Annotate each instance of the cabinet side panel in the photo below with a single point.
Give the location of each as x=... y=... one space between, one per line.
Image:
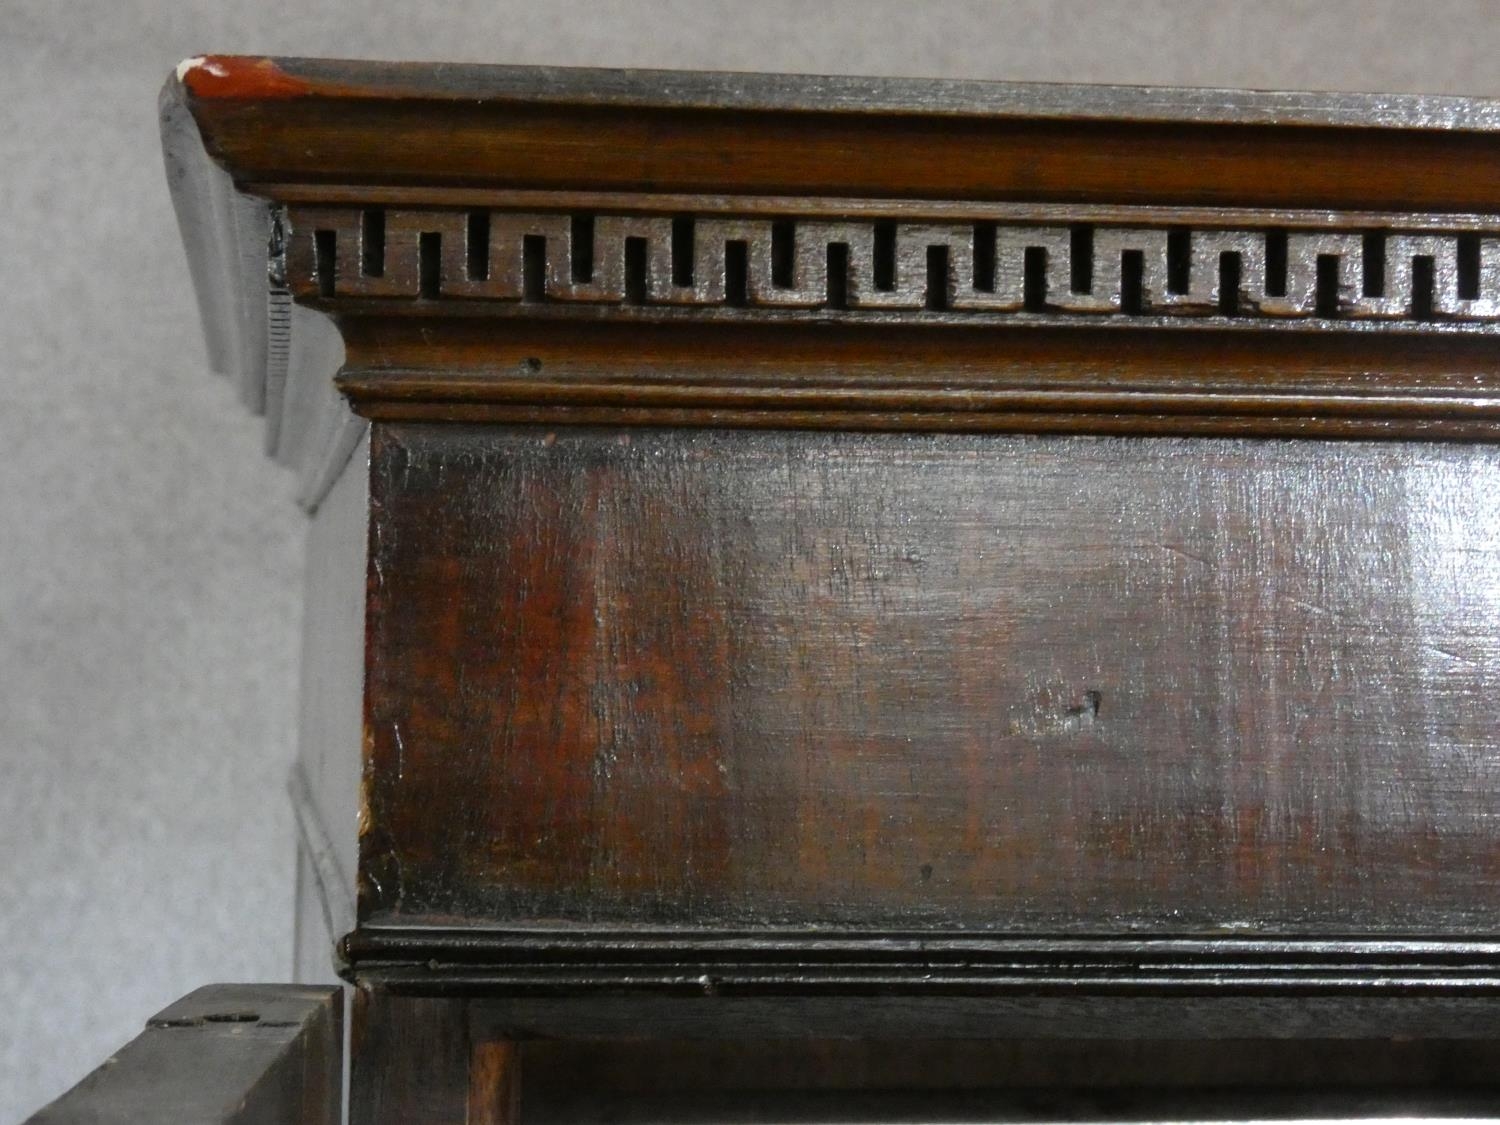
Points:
x=1088 y=685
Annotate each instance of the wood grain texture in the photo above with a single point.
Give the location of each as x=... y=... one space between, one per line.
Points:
x=1077 y=1013
x=232 y=77
x=895 y=377
x=408 y=1059
x=750 y=680
x=1048 y=1080
x=556 y=1070
x=495 y=1083
x=889 y=1107
x=416 y=1059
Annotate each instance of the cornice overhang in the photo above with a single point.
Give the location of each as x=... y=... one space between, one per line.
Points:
x=549 y=246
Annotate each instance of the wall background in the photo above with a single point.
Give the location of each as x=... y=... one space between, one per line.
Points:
x=150 y=558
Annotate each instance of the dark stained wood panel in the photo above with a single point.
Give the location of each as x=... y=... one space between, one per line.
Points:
x=776 y=679
x=965 y=1081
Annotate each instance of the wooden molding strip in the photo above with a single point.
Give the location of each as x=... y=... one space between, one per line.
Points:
x=684 y=965
x=964 y=985
x=329 y=122
x=749 y=265
x=391 y=942
x=1370 y=380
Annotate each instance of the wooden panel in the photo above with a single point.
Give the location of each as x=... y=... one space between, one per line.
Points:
x=756 y=679
x=226 y=1054
x=959 y=1081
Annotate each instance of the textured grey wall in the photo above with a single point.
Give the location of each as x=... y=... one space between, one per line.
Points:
x=150 y=559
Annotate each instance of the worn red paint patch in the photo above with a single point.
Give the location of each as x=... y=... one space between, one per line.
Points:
x=238 y=76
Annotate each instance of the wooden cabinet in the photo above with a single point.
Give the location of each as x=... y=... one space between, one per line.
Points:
x=834 y=571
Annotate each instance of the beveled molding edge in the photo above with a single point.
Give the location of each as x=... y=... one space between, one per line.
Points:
x=1331 y=272
x=594 y=982
x=909 y=316
x=539 y=962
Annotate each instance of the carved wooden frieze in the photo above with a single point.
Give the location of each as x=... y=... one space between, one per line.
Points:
x=529 y=245
x=997 y=269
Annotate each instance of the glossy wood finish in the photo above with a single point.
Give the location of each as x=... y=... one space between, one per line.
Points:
x=822 y=1081
x=227 y=1054
x=744 y=680
x=889 y=377
x=275 y=122
x=969 y=1081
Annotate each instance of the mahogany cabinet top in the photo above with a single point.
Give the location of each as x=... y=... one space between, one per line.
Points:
x=833 y=253
x=276 y=123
